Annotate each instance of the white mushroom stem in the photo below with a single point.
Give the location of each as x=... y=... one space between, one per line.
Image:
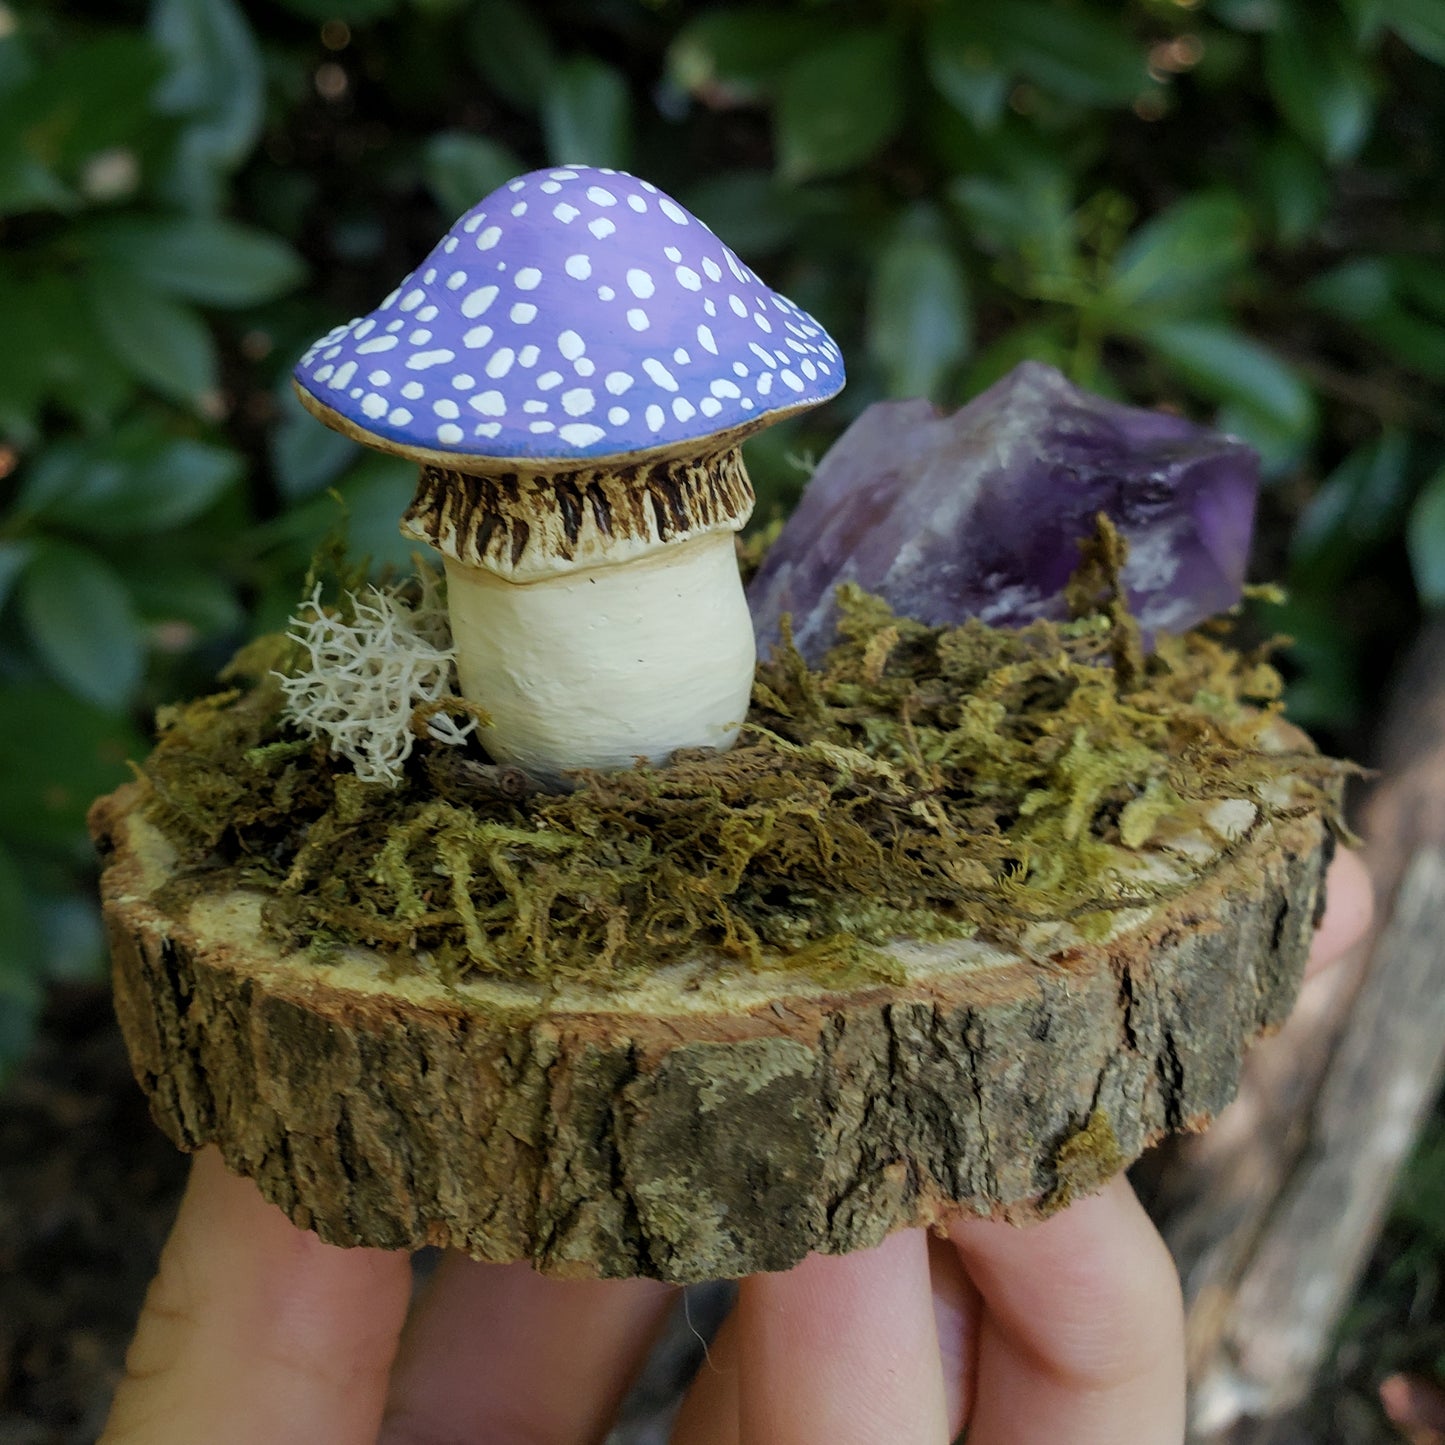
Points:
x=598 y=667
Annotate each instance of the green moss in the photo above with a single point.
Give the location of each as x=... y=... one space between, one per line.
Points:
x=1085 y=1161
x=923 y=783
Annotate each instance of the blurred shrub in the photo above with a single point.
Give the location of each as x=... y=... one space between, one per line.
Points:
x=1231 y=206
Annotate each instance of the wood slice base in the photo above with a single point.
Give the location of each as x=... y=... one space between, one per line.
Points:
x=713 y=1121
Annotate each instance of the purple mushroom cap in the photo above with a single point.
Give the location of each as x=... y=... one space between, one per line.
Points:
x=574 y=313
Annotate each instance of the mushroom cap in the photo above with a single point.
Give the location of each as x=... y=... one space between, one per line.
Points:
x=575 y=314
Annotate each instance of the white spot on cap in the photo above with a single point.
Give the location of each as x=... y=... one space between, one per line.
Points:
x=579 y=267
x=475 y=302
x=637 y=203
x=456 y=280
x=380 y=378
x=618 y=415
x=680 y=356
x=486 y=428
x=419 y=337
x=583 y=366
x=450 y=433
x=565 y=213
x=527 y=279
x=709 y=306
x=518 y=185
x=500 y=362
x=413 y=391
x=605 y=293
x=343 y=375
x=542 y=426
x=520 y=209
x=523 y=312
x=550 y=187
x=581 y=434
x=528 y=355
x=373 y=405
x=637 y=319
x=477 y=336
x=672 y=253
x=601 y=227
x=489 y=403
x=714 y=271
x=672 y=210
x=762 y=321
x=601 y=196
x=683 y=409
x=424 y=359
x=688 y=279
x=489 y=238
x=809 y=370
x=762 y=353
x=739 y=306
x=578 y=402
x=399 y=416
x=765 y=382
x=659 y=373
x=571 y=345
x=363 y=329
x=377 y=343
x=563 y=175
x=449 y=245
x=412 y=299
x=447 y=409
x=535 y=408
x=705 y=339
x=656 y=417
x=617 y=382
x=746 y=403
x=723 y=387
x=709 y=406
x=395 y=325
x=739 y=369
x=548 y=380
x=640 y=283
x=427 y=313
x=473 y=221
x=322 y=372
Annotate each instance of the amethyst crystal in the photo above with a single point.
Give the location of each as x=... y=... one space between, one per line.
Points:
x=980 y=514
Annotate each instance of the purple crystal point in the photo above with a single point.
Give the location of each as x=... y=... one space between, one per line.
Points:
x=980 y=514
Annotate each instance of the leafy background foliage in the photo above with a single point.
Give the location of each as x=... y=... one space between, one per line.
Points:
x=1229 y=206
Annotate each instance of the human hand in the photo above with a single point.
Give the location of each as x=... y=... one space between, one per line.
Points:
x=257 y=1333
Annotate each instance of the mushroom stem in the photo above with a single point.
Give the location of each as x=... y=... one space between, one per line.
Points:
x=597 y=667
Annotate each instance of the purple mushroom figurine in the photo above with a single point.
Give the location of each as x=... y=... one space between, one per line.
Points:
x=574 y=368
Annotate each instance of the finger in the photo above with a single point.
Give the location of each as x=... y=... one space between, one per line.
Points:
x=1349 y=906
x=1082 y=1337
x=499 y=1352
x=843 y=1350
x=956 y=1312
x=709 y=1413
x=256 y=1330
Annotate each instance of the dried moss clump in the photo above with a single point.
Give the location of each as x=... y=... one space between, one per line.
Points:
x=925 y=782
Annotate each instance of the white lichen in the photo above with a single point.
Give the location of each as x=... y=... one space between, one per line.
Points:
x=365 y=668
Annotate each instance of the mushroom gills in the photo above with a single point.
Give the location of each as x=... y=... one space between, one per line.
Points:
x=600 y=667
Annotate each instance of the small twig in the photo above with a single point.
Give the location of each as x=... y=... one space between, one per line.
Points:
x=460 y=779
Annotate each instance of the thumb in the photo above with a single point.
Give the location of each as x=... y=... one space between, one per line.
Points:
x=256 y=1330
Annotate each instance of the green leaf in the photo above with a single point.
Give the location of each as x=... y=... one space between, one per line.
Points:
x=1357 y=507
x=1180 y=260
x=305 y=455
x=1419 y=23
x=1293 y=189
x=14 y=558
x=187 y=593
x=461 y=169
x=919 y=318
x=587 y=115
x=160 y=341
x=1030 y=214
x=198 y=258
x=138 y=482
x=1075 y=54
x=1228 y=367
x=216 y=86
x=748 y=207
x=22 y=965
x=1357 y=290
x=1320 y=84
x=512 y=50
x=82 y=625
x=734 y=56
x=26 y=184
x=1414 y=342
x=60 y=754
x=960 y=50
x=839 y=105
x=1425 y=537
x=353 y=12
x=1249 y=15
